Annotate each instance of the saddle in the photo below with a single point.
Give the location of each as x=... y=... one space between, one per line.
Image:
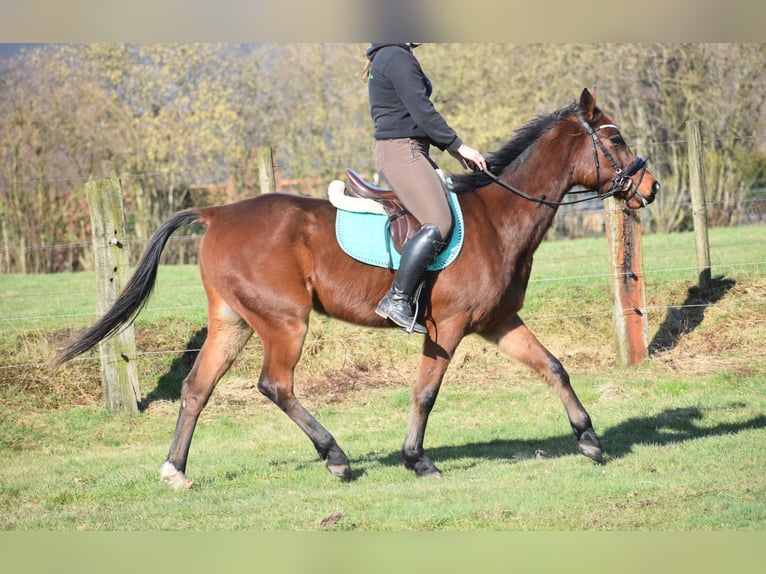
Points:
x=402 y=224
x=372 y=225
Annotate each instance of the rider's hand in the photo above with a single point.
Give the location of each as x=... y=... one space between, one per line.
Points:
x=470 y=158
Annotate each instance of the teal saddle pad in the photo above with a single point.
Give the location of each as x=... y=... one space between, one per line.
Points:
x=366 y=238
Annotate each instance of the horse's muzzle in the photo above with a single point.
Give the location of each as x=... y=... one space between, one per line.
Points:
x=642 y=193
x=641 y=197
x=654 y=191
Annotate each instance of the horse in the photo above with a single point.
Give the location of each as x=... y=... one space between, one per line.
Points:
x=268 y=261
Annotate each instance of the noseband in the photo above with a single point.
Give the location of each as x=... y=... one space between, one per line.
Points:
x=623 y=179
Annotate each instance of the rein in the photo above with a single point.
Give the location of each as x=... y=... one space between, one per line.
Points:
x=542 y=200
x=622 y=182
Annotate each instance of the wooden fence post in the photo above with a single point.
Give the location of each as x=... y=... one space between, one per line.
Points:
x=699 y=213
x=623 y=231
x=118 y=353
x=266 y=170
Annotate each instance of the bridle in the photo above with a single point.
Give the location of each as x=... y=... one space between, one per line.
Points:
x=623 y=179
x=621 y=183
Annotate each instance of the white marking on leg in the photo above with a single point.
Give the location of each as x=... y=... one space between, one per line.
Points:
x=174 y=477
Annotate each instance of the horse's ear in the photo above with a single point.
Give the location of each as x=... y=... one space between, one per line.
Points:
x=587 y=104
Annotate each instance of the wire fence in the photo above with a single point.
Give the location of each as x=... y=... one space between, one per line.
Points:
x=572 y=222
x=732 y=254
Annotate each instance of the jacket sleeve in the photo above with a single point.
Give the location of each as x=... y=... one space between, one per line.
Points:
x=404 y=72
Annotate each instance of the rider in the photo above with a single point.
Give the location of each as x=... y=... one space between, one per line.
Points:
x=406 y=125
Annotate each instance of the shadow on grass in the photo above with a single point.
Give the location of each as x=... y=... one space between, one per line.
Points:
x=169 y=385
x=684 y=319
x=670 y=426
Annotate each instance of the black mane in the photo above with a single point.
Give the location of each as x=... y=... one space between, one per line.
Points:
x=513 y=150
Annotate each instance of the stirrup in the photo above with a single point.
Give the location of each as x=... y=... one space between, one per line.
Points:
x=403 y=317
x=416 y=302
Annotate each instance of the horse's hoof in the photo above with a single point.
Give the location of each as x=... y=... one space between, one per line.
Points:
x=425 y=469
x=593 y=452
x=433 y=473
x=590 y=446
x=342 y=471
x=169 y=474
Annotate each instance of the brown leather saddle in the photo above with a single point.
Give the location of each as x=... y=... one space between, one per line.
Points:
x=401 y=223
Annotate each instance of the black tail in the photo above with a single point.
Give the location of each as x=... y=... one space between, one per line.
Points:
x=136 y=293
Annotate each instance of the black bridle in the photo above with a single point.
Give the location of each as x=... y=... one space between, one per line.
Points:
x=621 y=183
x=623 y=179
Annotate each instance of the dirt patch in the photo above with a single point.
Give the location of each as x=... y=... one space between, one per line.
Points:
x=335 y=384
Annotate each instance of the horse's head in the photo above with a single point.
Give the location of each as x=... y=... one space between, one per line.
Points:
x=607 y=164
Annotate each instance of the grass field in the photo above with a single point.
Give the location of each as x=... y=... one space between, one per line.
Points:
x=684 y=433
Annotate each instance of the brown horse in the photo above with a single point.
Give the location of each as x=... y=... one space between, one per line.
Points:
x=267 y=261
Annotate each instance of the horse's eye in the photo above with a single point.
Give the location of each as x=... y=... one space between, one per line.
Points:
x=617 y=140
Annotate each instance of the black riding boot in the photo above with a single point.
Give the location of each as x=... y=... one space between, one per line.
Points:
x=418 y=254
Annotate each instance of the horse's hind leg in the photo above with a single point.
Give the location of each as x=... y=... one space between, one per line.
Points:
x=227 y=334
x=516 y=340
x=282 y=346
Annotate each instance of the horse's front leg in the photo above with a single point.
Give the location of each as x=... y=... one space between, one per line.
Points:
x=437 y=352
x=515 y=339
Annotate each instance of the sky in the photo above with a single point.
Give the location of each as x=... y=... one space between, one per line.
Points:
x=7 y=50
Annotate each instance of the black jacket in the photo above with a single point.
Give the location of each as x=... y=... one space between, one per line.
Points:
x=400 y=103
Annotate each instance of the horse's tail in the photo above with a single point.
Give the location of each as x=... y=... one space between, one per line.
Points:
x=136 y=293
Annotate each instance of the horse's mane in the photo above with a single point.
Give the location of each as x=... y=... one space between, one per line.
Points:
x=512 y=151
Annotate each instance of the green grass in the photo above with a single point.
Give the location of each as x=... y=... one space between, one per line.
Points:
x=694 y=463
x=68 y=300
x=683 y=433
